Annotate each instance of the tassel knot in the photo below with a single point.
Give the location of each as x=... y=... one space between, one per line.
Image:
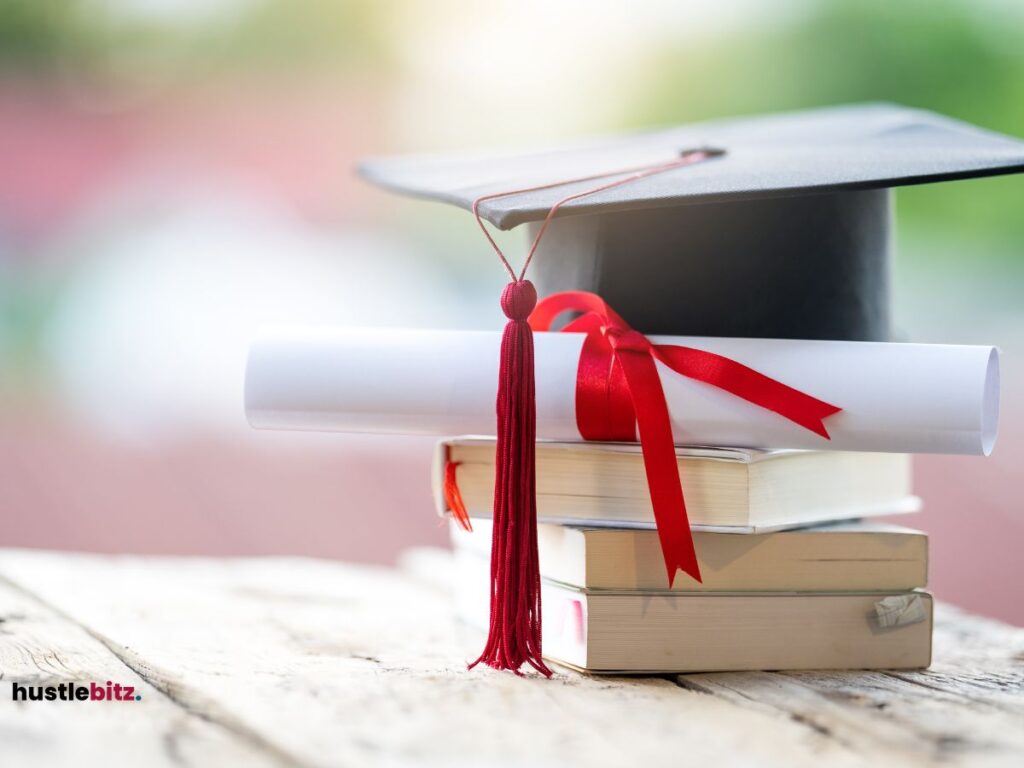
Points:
x=518 y=300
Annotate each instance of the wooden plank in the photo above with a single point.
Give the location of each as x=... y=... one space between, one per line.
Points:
x=332 y=664
x=966 y=708
x=976 y=658
x=344 y=665
x=38 y=647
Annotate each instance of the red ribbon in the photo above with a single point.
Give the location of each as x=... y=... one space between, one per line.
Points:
x=618 y=393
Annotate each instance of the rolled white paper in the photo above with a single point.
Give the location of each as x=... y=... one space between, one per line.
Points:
x=901 y=398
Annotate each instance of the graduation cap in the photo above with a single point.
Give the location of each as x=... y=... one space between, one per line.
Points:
x=786 y=231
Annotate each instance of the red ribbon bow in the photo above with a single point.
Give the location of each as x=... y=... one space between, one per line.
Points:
x=618 y=392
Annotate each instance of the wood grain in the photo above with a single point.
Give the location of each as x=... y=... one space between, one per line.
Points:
x=39 y=647
x=312 y=663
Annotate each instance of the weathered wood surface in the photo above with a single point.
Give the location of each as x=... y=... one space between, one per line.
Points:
x=292 y=662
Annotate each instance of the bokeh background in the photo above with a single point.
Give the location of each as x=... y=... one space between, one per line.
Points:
x=174 y=173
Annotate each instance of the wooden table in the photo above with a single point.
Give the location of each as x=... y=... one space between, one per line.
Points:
x=291 y=662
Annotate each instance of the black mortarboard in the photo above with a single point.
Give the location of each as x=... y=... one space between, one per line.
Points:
x=786 y=234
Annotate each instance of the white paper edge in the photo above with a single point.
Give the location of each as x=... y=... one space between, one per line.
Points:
x=990 y=404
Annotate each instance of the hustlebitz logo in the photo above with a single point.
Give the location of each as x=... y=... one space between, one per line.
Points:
x=91 y=691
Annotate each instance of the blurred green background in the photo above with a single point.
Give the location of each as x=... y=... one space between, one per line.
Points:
x=174 y=173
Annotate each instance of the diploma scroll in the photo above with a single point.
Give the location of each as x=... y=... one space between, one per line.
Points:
x=900 y=398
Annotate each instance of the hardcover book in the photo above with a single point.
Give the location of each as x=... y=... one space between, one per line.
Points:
x=727 y=489
x=611 y=631
x=854 y=556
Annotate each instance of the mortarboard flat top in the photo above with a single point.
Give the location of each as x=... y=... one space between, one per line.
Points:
x=826 y=150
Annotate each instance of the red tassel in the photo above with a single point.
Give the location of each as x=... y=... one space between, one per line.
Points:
x=514 y=637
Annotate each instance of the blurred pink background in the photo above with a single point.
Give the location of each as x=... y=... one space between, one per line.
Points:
x=172 y=176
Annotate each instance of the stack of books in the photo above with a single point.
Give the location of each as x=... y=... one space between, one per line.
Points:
x=795 y=575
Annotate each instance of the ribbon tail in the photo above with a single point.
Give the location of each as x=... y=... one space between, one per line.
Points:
x=750 y=385
x=659 y=452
